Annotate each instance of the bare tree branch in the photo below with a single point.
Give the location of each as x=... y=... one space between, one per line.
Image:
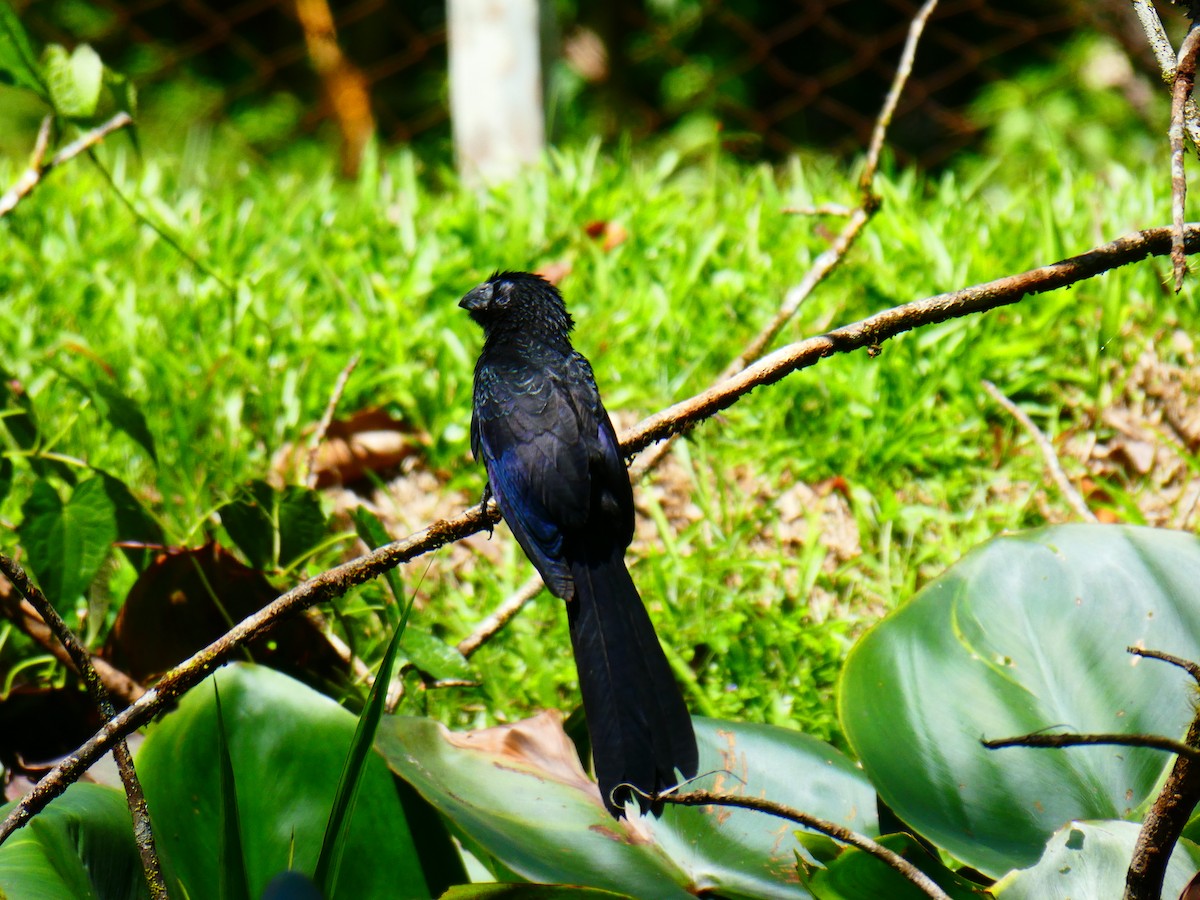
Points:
x=1052 y=741
x=869 y=333
x=81 y=659
x=335 y=397
x=1187 y=665
x=1171 y=810
x=1156 y=36
x=37 y=171
x=1181 y=92
x=919 y=879
x=1074 y=500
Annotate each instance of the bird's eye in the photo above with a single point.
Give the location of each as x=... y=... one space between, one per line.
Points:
x=503 y=294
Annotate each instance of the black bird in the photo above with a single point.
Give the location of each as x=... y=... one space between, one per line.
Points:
x=556 y=470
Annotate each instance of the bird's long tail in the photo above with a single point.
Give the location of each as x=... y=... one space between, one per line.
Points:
x=640 y=728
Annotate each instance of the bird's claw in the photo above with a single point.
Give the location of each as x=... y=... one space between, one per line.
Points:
x=483 y=509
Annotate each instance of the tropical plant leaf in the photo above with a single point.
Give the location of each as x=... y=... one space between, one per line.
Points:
x=1090 y=859
x=274 y=528
x=80 y=847
x=67 y=542
x=286 y=745
x=333 y=844
x=231 y=867
x=856 y=874
x=1027 y=632
x=519 y=798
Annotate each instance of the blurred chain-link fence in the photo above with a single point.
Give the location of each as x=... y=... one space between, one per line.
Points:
x=769 y=75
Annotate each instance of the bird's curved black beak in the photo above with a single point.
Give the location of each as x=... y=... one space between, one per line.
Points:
x=477 y=299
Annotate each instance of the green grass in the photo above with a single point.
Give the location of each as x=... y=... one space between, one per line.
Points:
x=752 y=605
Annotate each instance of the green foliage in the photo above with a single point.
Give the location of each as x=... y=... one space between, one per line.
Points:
x=1025 y=633
x=1090 y=859
x=274 y=528
x=81 y=847
x=69 y=541
x=521 y=802
x=286 y=745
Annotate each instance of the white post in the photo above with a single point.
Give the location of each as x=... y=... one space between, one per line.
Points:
x=496 y=106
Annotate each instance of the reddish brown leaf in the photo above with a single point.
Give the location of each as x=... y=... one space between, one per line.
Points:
x=371 y=440
x=187 y=598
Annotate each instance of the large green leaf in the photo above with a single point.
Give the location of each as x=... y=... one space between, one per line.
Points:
x=1089 y=859
x=856 y=874
x=80 y=847
x=519 y=798
x=286 y=744
x=67 y=542
x=1027 y=632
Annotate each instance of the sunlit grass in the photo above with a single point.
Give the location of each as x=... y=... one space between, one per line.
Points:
x=755 y=607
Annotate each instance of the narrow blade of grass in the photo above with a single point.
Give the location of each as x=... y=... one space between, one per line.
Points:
x=231 y=864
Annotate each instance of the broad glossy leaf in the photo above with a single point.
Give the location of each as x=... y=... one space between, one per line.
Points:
x=520 y=799
x=1027 y=632
x=67 y=542
x=1089 y=859
x=286 y=744
x=856 y=874
x=80 y=847
x=527 y=892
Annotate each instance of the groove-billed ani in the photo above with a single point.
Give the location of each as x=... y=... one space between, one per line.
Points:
x=556 y=471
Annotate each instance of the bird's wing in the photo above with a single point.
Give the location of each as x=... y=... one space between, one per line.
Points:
x=534 y=439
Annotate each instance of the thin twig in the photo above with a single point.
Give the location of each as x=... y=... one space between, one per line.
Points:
x=1148 y=741
x=81 y=659
x=339 y=388
x=1181 y=92
x=1187 y=665
x=823 y=209
x=1156 y=36
x=37 y=171
x=501 y=616
x=1049 y=454
x=838 y=832
x=903 y=70
x=335 y=582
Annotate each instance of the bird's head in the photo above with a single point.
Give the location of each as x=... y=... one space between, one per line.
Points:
x=518 y=302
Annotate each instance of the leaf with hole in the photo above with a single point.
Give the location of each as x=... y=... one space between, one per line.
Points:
x=1026 y=632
